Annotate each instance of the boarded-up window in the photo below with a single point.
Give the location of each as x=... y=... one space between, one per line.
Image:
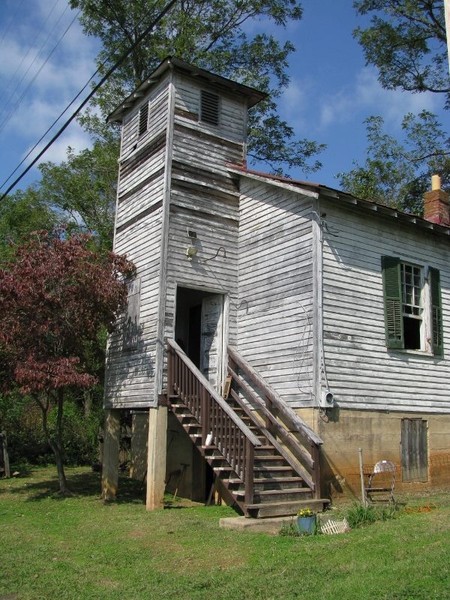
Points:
x=209 y=108
x=414 y=450
x=131 y=323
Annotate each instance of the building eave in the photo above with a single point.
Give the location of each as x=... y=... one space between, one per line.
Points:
x=319 y=190
x=172 y=63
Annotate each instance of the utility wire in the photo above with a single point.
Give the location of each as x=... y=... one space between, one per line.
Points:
x=110 y=71
x=4 y=98
x=22 y=96
x=51 y=127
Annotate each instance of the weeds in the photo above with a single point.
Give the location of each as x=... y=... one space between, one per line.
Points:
x=360 y=515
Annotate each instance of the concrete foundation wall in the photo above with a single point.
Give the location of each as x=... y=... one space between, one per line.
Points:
x=379 y=435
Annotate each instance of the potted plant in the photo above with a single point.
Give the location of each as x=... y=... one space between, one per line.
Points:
x=306 y=521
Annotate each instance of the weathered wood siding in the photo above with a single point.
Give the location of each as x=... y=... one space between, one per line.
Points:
x=204 y=199
x=275 y=314
x=361 y=371
x=130 y=375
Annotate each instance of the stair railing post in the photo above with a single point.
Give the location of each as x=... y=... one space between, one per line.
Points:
x=249 y=470
x=315 y=454
x=170 y=371
x=204 y=414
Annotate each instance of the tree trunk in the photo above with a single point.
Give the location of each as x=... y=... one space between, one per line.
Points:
x=55 y=441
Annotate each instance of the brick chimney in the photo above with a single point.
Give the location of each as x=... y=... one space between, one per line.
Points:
x=436 y=204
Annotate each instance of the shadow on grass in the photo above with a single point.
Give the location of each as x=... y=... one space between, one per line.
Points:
x=83 y=484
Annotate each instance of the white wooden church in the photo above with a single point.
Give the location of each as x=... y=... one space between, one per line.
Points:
x=274 y=326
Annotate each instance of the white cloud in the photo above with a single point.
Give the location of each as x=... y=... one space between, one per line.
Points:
x=367 y=97
x=33 y=94
x=74 y=137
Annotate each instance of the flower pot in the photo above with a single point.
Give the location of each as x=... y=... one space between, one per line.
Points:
x=307 y=525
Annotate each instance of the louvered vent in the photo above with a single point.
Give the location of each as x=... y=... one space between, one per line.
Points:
x=143 y=119
x=209 y=108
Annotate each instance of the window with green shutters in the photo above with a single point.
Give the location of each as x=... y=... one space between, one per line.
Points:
x=412 y=304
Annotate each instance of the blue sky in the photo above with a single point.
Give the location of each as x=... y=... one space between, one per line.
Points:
x=331 y=91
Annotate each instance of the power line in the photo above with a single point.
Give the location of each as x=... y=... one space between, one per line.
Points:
x=51 y=127
x=6 y=95
x=110 y=71
x=22 y=96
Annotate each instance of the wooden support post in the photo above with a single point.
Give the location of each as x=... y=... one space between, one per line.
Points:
x=111 y=444
x=157 y=456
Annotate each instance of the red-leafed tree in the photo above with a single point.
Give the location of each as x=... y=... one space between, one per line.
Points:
x=55 y=299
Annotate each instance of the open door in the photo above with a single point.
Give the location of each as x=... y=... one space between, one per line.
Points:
x=199 y=329
x=211 y=339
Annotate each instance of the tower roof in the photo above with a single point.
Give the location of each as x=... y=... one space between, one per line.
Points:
x=175 y=64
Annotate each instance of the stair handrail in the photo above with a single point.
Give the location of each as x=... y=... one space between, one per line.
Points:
x=213 y=393
x=291 y=418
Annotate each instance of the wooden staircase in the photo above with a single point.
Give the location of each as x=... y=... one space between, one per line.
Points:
x=261 y=467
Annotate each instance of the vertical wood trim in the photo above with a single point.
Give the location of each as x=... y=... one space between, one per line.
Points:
x=162 y=291
x=317 y=282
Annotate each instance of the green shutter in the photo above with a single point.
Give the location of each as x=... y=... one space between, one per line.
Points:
x=392 y=301
x=436 y=312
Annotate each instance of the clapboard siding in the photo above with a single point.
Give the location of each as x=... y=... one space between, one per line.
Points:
x=130 y=377
x=361 y=371
x=130 y=374
x=233 y=111
x=275 y=316
x=214 y=269
x=157 y=121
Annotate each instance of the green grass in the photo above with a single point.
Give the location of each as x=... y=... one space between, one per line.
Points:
x=80 y=548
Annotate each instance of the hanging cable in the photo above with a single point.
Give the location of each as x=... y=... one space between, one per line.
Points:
x=6 y=96
x=110 y=71
x=22 y=96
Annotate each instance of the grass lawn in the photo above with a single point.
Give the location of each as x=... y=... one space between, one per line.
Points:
x=79 y=548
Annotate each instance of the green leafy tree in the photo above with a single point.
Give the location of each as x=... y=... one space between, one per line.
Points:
x=406 y=41
x=55 y=298
x=83 y=189
x=20 y=214
x=398 y=174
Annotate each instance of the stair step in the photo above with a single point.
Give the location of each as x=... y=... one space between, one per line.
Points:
x=278 y=484
x=272 y=469
x=278 y=494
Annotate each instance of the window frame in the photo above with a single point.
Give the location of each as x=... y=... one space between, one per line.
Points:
x=431 y=330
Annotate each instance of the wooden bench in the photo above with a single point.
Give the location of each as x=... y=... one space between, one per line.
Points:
x=381 y=482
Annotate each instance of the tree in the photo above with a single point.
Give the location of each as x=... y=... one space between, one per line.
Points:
x=407 y=42
x=398 y=173
x=214 y=35
x=20 y=214
x=84 y=188
x=56 y=297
